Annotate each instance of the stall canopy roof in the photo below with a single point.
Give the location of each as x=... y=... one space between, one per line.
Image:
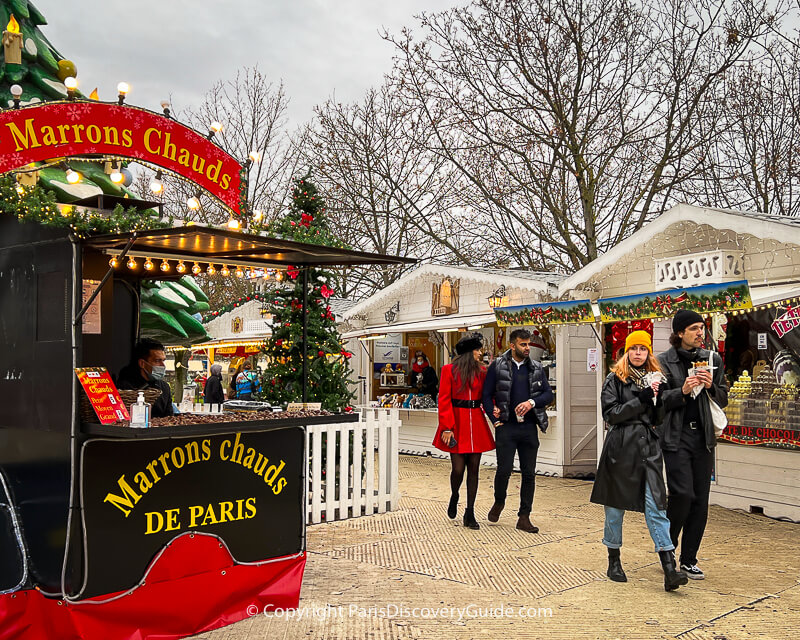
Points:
x=451 y=322
x=224 y=245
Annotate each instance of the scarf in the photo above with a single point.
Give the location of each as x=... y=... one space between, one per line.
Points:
x=638 y=375
x=689 y=357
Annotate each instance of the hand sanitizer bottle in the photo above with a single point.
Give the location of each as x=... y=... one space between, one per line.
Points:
x=140 y=413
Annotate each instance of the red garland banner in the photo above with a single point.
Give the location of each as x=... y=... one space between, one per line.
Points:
x=65 y=129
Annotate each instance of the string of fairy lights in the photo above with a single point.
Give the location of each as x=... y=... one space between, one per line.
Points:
x=180 y=266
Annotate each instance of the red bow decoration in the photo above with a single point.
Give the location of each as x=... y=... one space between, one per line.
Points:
x=305 y=220
x=292 y=272
x=326 y=291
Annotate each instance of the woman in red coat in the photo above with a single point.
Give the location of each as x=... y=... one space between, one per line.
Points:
x=463 y=430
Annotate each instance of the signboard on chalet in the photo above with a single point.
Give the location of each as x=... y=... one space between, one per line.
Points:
x=444 y=297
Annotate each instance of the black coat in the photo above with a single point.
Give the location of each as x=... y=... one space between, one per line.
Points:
x=212 y=392
x=428 y=383
x=631 y=454
x=675 y=401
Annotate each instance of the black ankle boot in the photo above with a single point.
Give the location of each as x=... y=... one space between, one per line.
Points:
x=469 y=519
x=615 y=571
x=452 y=508
x=672 y=577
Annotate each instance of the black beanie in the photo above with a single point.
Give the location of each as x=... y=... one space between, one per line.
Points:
x=469 y=343
x=684 y=318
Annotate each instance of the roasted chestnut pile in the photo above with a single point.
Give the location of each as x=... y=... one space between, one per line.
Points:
x=233 y=416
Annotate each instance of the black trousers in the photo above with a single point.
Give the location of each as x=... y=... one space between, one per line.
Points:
x=522 y=439
x=689 y=483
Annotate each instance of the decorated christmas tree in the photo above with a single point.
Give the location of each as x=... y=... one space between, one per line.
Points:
x=29 y=60
x=328 y=368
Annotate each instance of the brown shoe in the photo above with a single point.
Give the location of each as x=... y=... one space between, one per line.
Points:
x=496 y=510
x=524 y=524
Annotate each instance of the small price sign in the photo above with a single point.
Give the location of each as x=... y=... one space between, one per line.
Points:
x=103 y=394
x=300 y=406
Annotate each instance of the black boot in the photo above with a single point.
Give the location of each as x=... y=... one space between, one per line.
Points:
x=452 y=508
x=615 y=571
x=469 y=519
x=672 y=577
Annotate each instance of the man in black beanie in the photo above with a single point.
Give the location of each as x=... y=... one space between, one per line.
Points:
x=687 y=433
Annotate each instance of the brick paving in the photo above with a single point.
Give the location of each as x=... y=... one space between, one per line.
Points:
x=414 y=573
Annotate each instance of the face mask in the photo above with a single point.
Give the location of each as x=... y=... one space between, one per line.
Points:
x=420 y=361
x=158 y=372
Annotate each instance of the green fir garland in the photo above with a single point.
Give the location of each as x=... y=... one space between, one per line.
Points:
x=36 y=204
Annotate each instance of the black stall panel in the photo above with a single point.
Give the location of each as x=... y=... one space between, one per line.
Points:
x=36 y=297
x=137 y=495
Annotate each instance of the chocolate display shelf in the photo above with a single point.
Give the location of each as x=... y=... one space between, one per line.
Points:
x=242 y=422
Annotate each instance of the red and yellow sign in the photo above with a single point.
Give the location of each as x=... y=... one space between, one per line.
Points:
x=103 y=394
x=64 y=129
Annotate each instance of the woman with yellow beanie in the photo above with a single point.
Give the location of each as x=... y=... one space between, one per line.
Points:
x=630 y=470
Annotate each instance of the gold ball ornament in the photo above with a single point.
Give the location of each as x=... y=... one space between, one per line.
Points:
x=66 y=69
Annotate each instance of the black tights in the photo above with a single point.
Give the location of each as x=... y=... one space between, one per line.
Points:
x=459 y=462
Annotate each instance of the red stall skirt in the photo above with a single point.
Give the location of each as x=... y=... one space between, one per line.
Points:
x=193 y=587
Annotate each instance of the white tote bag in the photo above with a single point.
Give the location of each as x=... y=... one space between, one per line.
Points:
x=718 y=416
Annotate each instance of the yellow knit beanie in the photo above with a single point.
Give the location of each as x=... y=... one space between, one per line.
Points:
x=639 y=337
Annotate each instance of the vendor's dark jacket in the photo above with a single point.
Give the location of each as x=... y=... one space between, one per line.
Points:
x=497 y=390
x=675 y=401
x=429 y=383
x=212 y=393
x=631 y=453
x=130 y=377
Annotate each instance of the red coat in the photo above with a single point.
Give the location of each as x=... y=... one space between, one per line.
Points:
x=469 y=426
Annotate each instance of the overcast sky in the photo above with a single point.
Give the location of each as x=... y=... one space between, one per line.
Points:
x=181 y=47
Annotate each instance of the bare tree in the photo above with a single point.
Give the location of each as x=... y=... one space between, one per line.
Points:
x=385 y=191
x=252 y=112
x=573 y=121
x=753 y=161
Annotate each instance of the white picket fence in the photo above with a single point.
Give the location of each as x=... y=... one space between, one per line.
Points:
x=360 y=474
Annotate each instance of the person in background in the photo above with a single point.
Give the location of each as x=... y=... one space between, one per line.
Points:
x=232 y=381
x=247 y=383
x=630 y=471
x=687 y=433
x=463 y=431
x=146 y=371
x=424 y=379
x=212 y=392
x=515 y=395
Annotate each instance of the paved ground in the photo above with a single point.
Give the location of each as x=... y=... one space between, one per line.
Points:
x=414 y=573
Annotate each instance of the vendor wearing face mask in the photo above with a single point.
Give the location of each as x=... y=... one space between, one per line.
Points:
x=147 y=370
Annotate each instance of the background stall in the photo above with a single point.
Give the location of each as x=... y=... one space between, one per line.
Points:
x=428 y=310
x=708 y=257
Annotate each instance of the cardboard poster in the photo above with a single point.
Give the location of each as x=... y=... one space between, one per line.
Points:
x=91 y=321
x=103 y=394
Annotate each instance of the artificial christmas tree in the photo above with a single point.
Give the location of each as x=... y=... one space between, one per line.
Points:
x=33 y=71
x=328 y=369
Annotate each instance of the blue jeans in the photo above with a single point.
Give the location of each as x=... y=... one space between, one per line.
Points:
x=656 y=520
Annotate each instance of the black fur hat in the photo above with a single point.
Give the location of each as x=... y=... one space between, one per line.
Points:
x=469 y=343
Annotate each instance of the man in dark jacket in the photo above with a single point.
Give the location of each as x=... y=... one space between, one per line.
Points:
x=515 y=394
x=146 y=371
x=687 y=433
